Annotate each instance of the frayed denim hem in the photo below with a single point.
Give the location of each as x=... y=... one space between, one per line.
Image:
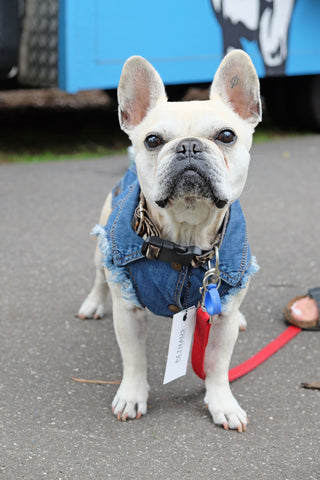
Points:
x=117 y=274
x=252 y=270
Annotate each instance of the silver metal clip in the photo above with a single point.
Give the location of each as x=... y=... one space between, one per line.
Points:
x=141 y=217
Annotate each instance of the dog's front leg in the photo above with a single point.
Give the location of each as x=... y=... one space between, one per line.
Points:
x=223 y=406
x=130 y=327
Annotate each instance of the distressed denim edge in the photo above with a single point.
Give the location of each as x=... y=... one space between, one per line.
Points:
x=117 y=274
x=251 y=270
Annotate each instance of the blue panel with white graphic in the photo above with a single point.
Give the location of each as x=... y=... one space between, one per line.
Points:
x=184 y=39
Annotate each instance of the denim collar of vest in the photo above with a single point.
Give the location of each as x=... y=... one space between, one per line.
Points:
x=126 y=245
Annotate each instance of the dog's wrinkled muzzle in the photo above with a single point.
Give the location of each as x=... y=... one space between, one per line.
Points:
x=193 y=175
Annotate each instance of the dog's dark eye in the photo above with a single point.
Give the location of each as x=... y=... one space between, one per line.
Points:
x=153 y=141
x=226 y=136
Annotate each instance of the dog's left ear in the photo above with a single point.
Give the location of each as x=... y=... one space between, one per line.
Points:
x=236 y=82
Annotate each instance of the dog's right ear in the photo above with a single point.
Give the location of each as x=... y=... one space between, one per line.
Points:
x=140 y=88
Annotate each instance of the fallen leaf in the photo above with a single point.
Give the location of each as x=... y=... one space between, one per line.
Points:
x=111 y=382
x=312 y=386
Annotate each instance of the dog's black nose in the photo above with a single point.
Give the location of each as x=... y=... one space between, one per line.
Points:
x=189 y=147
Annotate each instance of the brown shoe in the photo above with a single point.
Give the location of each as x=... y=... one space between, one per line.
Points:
x=306 y=323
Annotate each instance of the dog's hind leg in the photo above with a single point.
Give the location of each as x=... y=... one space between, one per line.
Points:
x=130 y=324
x=223 y=406
x=95 y=305
x=242 y=321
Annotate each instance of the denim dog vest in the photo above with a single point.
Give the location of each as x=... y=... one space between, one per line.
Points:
x=157 y=285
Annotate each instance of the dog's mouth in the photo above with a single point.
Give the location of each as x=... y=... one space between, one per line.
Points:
x=191 y=184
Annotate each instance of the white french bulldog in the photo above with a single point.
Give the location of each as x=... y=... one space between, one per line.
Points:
x=192 y=160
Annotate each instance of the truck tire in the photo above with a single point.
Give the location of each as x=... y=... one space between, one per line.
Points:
x=38 y=59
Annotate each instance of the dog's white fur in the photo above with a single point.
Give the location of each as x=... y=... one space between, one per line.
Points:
x=188 y=219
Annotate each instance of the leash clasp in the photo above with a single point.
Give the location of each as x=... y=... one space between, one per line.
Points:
x=209 y=289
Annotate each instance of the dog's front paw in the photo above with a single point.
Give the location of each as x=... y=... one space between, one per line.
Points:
x=95 y=305
x=131 y=400
x=226 y=411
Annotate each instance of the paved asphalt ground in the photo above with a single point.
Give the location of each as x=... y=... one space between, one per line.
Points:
x=55 y=428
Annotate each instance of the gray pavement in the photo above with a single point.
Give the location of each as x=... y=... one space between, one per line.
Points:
x=53 y=427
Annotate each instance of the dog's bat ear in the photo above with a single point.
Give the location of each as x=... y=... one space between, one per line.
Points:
x=140 y=88
x=236 y=82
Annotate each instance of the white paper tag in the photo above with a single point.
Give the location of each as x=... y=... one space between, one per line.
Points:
x=182 y=330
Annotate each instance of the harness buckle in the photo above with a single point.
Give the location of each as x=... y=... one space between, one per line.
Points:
x=155 y=248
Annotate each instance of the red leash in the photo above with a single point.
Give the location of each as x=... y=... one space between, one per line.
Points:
x=264 y=354
x=200 y=341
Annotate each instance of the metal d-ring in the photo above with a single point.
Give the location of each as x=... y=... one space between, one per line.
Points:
x=212 y=275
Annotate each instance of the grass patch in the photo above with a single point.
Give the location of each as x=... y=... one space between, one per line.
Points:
x=49 y=156
x=267 y=130
x=40 y=135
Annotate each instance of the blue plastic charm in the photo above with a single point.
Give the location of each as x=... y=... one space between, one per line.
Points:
x=212 y=300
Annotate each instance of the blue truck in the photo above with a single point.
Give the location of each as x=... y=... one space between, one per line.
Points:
x=82 y=44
